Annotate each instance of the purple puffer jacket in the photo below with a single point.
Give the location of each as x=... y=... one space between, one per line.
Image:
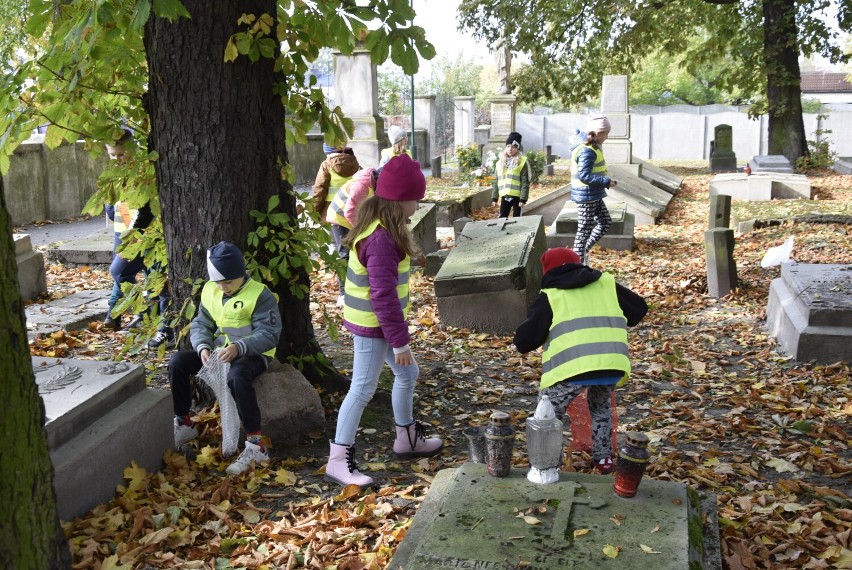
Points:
x=380 y=255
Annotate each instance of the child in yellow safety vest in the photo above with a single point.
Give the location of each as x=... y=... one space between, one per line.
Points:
x=512 y=178
x=399 y=145
x=589 y=181
x=240 y=316
x=580 y=317
x=375 y=312
x=341 y=212
x=338 y=167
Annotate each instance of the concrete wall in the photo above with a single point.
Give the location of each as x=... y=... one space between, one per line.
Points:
x=682 y=132
x=45 y=184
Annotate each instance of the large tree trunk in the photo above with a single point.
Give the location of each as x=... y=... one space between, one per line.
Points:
x=219 y=130
x=784 y=80
x=30 y=535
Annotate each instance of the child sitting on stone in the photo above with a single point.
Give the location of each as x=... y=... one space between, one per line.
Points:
x=241 y=316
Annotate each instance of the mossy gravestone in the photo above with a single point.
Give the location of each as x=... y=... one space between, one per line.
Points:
x=473 y=520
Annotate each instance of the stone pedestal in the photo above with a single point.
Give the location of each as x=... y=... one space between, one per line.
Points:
x=32 y=281
x=762 y=186
x=810 y=311
x=843 y=165
x=502 y=122
x=614 y=104
x=356 y=89
x=619 y=237
x=492 y=275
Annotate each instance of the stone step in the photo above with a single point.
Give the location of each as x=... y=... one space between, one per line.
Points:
x=657 y=176
x=88 y=467
x=73 y=312
x=566 y=221
x=95 y=249
x=644 y=200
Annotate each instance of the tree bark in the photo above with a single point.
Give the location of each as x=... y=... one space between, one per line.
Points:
x=784 y=80
x=219 y=131
x=30 y=535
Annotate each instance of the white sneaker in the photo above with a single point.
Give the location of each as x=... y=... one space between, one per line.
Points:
x=252 y=452
x=184 y=433
x=341 y=300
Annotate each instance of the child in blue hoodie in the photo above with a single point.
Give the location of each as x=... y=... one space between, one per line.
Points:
x=589 y=181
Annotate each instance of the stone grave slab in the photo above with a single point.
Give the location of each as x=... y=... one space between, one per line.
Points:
x=32 y=280
x=644 y=200
x=423 y=226
x=810 y=311
x=619 y=237
x=95 y=249
x=470 y=520
x=843 y=165
x=492 y=275
x=761 y=186
x=451 y=210
x=100 y=417
x=657 y=176
x=73 y=312
x=770 y=163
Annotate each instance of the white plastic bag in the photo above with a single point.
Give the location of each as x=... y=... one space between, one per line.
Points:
x=778 y=254
x=215 y=375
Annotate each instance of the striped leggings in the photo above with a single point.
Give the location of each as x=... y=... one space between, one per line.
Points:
x=593 y=221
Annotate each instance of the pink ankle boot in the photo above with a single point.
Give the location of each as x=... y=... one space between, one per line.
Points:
x=341 y=467
x=411 y=442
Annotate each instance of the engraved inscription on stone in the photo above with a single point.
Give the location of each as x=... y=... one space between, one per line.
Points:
x=470 y=518
x=58 y=377
x=723 y=136
x=501 y=119
x=113 y=368
x=614 y=94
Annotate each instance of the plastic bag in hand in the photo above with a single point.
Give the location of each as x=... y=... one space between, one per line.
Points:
x=215 y=375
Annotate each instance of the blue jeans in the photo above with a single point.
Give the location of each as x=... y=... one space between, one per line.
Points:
x=370 y=355
x=338 y=234
x=123 y=271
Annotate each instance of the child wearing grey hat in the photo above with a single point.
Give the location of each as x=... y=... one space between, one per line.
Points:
x=240 y=316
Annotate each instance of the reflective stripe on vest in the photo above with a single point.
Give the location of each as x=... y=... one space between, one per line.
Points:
x=338 y=205
x=124 y=217
x=233 y=316
x=599 y=168
x=358 y=308
x=588 y=332
x=509 y=180
x=334 y=184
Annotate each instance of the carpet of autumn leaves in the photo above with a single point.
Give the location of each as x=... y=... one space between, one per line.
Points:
x=726 y=412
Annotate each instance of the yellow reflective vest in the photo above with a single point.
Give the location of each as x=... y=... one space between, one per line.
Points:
x=233 y=316
x=335 y=213
x=599 y=167
x=124 y=217
x=588 y=332
x=509 y=179
x=358 y=308
x=388 y=153
x=335 y=181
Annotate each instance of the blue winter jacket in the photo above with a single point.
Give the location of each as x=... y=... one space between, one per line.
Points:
x=597 y=184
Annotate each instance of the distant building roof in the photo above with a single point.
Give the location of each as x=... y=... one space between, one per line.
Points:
x=825 y=82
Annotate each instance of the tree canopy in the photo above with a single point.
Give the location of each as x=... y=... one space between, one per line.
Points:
x=579 y=42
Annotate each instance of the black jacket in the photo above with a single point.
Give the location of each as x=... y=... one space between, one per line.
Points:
x=532 y=333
